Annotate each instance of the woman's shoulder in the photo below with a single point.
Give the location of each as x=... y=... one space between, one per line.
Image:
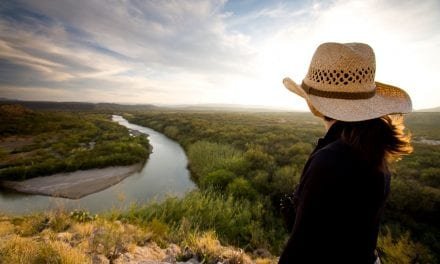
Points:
x=337 y=161
x=336 y=153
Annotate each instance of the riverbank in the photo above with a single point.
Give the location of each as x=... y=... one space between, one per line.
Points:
x=73 y=185
x=37 y=143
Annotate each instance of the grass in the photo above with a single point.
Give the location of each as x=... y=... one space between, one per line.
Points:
x=16 y=249
x=401 y=249
x=201 y=224
x=236 y=222
x=62 y=237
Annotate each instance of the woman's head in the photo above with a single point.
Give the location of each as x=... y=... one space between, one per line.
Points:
x=340 y=87
x=379 y=140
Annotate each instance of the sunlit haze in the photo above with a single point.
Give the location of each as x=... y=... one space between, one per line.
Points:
x=203 y=52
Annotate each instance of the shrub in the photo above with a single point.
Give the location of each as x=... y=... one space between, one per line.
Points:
x=431 y=176
x=208 y=249
x=59 y=221
x=259 y=160
x=82 y=216
x=402 y=249
x=285 y=179
x=241 y=188
x=32 y=225
x=240 y=223
x=206 y=157
x=218 y=179
x=16 y=249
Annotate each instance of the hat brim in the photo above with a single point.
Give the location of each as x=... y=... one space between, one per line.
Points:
x=387 y=100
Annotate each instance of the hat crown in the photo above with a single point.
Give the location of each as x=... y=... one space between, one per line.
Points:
x=337 y=67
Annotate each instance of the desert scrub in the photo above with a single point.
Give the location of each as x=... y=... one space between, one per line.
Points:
x=208 y=249
x=59 y=221
x=32 y=224
x=236 y=222
x=112 y=238
x=108 y=239
x=16 y=249
x=82 y=216
x=6 y=227
x=401 y=249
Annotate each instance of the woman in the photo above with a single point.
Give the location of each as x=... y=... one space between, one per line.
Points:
x=346 y=180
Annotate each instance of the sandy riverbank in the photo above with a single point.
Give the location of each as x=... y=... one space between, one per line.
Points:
x=73 y=185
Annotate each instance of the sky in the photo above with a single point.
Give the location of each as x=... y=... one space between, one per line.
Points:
x=204 y=52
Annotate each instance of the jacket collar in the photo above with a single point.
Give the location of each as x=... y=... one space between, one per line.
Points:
x=333 y=134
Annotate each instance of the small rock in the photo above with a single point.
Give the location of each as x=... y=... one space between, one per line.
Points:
x=152 y=262
x=190 y=261
x=186 y=254
x=124 y=258
x=263 y=253
x=151 y=253
x=100 y=259
x=100 y=248
x=172 y=252
x=64 y=236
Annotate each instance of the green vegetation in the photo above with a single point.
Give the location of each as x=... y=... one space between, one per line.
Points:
x=257 y=157
x=42 y=143
x=40 y=238
x=242 y=162
x=238 y=222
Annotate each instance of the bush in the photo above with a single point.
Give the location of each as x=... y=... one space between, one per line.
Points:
x=218 y=179
x=206 y=157
x=82 y=216
x=285 y=179
x=241 y=223
x=431 y=177
x=16 y=249
x=402 y=249
x=32 y=225
x=241 y=188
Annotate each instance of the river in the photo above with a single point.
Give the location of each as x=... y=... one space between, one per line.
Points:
x=165 y=173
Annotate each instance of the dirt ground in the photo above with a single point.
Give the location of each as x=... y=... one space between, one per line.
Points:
x=73 y=185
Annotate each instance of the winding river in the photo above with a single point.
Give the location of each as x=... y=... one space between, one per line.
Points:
x=165 y=173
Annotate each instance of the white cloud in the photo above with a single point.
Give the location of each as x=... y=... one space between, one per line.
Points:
x=196 y=52
x=140 y=48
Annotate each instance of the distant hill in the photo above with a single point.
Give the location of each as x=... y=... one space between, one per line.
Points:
x=84 y=106
x=229 y=107
x=76 y=106
x=435 y=109
x=13 y=110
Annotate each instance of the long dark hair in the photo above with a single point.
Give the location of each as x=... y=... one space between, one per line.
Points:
x=379 y=141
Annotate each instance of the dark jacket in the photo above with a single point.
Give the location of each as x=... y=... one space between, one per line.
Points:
x=340 y=201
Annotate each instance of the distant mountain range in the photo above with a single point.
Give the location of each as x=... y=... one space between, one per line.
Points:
x=435 y=109
x=84 y=106
x=228 y=107
x=47 y=105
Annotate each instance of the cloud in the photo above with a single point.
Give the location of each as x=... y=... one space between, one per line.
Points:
x=186 y=34
x=129 y=46
x=205 y=51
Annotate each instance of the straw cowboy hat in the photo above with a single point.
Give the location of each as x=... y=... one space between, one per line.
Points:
x=340 y=84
